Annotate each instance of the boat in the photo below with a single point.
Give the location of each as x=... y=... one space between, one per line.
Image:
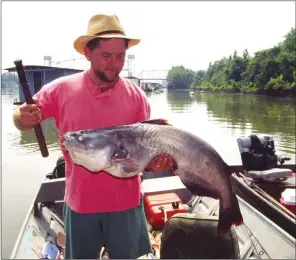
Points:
x=268 y=231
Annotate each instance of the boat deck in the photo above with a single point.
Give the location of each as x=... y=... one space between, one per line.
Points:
x=258 y=238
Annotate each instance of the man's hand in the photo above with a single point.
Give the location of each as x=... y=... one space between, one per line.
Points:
x=161 y=163
x=27 y=115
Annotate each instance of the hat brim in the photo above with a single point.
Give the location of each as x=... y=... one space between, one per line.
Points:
x=81 y=41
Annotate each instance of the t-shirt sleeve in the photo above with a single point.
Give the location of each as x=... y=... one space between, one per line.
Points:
x=47 y=97
x=144 y=109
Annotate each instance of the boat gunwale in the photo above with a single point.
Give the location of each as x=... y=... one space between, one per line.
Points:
x=276 y=228
x=234 y=169
x=22 y=230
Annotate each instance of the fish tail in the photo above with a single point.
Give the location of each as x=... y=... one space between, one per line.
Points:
x=229 y=216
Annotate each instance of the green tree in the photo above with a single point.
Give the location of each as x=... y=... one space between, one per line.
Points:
x=268 y=70
x=180 y=77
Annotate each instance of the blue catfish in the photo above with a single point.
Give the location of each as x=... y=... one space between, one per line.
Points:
x=125 y=151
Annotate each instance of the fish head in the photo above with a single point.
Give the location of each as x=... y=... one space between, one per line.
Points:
x=91 y=149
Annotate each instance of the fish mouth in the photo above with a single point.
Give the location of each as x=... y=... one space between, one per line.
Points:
x=94 y=157
x=94 y=160
x=70 y=148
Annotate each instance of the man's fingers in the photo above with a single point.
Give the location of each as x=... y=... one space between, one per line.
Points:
x=162 y=162
x=165 y=161
x=37 y=102
x=28 y=108
x=31 y=118
x=171 y=162
x=31 y=114
x=159 y=161
x=168 y=162
x=36 y=113
x=32 y=123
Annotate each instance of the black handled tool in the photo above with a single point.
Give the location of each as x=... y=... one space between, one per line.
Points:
x=29 y=100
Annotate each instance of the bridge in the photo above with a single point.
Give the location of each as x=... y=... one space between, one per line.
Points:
x=149 y=80
x=153 y=75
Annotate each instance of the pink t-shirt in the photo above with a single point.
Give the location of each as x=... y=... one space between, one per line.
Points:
x=76 y=103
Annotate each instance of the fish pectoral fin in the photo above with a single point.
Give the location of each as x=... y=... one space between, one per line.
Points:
x=128 y=164
x=158 y=121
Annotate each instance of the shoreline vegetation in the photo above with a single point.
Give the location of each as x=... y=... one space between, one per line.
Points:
x=270 y=71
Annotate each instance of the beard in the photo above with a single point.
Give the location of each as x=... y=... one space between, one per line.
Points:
x=103 y=77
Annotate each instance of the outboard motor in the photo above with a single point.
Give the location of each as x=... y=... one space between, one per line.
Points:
x=261 y=155
x=282 y=159
x=260 y=160
x=59 y=170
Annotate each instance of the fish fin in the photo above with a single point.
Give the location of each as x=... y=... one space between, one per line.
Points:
x=229 y=216
x=158 y=121
x=128 y=164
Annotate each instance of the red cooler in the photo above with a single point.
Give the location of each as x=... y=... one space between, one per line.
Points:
x=288 y=199
x=156 y=206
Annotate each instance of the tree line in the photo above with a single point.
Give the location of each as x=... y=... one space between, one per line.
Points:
x=270 y=71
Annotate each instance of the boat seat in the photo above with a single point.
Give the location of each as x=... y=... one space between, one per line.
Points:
x=194 y=236
x=273 y=174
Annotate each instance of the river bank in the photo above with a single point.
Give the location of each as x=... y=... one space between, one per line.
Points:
x=270 y=72
x=288 y=93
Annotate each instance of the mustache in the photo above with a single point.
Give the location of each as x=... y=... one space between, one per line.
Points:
x=102 y=76
x=110 y=69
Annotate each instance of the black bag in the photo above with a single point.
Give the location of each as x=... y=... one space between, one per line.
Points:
x=261 y=155
x=193 y=236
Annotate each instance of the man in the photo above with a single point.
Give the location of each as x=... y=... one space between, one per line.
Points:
x=99 y=209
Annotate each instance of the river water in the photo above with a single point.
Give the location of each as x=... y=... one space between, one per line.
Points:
x=218 y=118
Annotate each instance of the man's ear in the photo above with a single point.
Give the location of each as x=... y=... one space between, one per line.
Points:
x=87 y=53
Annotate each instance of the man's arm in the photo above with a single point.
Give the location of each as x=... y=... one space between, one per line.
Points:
x=26 y=116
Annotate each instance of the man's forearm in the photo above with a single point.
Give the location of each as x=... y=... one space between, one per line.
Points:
x=18 y=122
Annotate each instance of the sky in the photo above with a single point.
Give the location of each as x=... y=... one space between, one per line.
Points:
x=192 y=33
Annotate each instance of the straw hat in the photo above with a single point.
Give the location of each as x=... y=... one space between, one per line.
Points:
x=103 y=26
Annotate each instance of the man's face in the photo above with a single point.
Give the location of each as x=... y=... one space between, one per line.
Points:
x=107 y=60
